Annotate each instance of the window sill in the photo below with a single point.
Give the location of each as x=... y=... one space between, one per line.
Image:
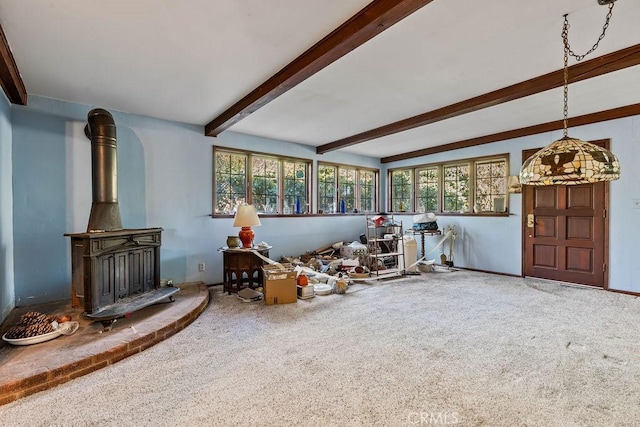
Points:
x=442 y=214
x=481 y=214
x=294 y=215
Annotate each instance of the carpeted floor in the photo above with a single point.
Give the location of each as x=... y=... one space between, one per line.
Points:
x=446 y=348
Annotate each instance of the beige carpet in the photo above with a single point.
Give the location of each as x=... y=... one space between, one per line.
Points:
x=447 y=348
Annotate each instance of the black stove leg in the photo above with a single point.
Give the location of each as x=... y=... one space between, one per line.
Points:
x=107 y=325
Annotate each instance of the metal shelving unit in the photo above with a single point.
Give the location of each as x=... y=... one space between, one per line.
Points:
x=385 y=246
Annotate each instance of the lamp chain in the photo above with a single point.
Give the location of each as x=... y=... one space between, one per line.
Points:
x=565 y=120
x=568 y=52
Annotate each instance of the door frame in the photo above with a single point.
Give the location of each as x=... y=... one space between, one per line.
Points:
x=606 y=143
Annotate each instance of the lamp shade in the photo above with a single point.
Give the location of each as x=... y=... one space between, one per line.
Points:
x=570 y=161
x=246 y=216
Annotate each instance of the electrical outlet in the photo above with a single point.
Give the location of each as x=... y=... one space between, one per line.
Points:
x=201 y=266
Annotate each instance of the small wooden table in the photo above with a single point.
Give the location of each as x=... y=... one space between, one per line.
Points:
x=242 y=265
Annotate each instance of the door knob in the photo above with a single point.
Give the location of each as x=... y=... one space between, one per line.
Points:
x=530 y=221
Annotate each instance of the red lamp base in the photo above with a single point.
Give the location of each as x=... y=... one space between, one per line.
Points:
x=246 y=235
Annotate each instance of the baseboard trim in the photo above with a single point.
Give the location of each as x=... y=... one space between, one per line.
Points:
x=489 y=272
x=636 y=294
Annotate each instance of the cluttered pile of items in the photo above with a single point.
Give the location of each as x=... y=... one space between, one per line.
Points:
x=328 y=270
x=325 y=271
x=384 y=251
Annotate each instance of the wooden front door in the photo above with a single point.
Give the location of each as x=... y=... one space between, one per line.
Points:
x=565 y=232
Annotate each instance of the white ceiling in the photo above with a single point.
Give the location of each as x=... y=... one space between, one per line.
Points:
x=190 y=60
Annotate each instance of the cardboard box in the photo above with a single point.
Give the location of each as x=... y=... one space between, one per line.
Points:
x=279 y=284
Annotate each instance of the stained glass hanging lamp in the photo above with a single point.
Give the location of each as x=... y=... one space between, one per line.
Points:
x=571 y=161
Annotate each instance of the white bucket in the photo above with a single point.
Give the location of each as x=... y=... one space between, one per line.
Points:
x=410 y=249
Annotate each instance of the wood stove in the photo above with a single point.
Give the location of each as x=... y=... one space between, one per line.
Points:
x=111 y=265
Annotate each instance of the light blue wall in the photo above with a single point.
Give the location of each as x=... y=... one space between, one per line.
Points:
x=165 y=171
x=7 y=295
x=39 y=202
x=164 y=180
x=624 y=217
x=495 y=243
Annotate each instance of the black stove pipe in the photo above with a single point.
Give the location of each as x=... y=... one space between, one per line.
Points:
x=105 y=212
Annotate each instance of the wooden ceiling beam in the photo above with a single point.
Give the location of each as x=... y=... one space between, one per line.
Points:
x=601 y=116
x=9 y=75
x=604 y=64
x=376 y=17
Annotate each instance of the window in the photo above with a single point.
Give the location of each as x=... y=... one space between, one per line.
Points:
x=491 y=184
x=456 y=188
x=427 y=189
x=347 y=188
x=327 y=188
x=230 y=181
x=277 y=185
x=296 y=186
x=367 y=190
x=453 y=187
x=264 y=184
x=401 y=184
x=356 y=187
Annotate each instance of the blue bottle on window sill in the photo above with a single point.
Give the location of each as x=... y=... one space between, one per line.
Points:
x=298 y=206
x=343 y=207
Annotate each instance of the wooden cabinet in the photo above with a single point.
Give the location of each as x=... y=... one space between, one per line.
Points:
x=112 y=266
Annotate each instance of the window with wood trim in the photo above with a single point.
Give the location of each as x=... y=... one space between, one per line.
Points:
x=476 y=185
x=401 y=185
x=490 y=185
x=355 y=187
x=367 y=186
x=455 y=185
x=327 y=188
x=264 y=183
x=230 y=181
x=347 y=188
x=427 y=185
x=273 y=184
x=296 y=186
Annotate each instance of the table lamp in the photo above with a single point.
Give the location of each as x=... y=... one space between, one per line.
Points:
x=246 y=217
